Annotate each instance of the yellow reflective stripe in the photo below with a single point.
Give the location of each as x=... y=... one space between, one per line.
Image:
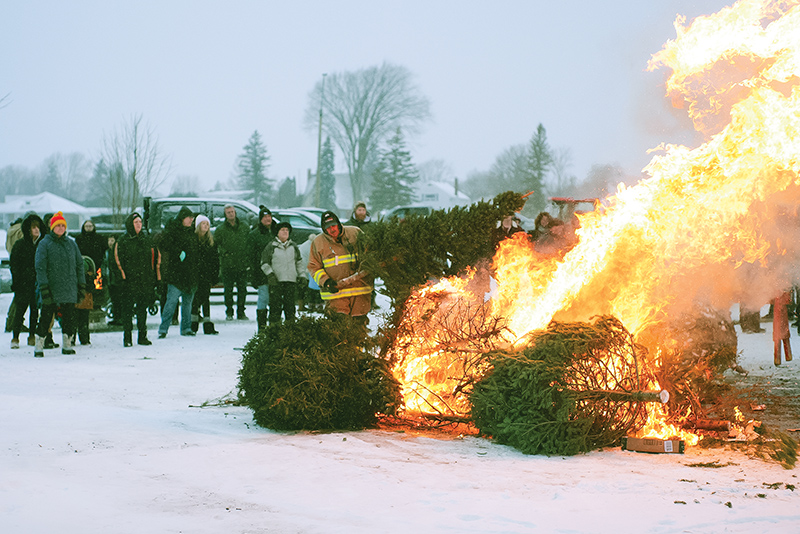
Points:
x=318 y=275
x=345 y=293
x=339 y=260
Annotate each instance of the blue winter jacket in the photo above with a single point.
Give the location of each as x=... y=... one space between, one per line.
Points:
x=59 y=265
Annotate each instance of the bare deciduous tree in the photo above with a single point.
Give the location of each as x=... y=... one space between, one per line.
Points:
x=134 y=163
x=561 y=182
x=72 y=172
x=361 y=109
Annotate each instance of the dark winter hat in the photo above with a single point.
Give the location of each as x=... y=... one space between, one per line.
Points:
x=183 y=213
x=283 y=225
x=328 y=219
x=360 y=205
x=263 y=210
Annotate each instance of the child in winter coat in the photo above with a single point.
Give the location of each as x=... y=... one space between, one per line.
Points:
x=282 y=263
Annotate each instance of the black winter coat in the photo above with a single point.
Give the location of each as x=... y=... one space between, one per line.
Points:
x=257 y=241
x=232 y=246
x=180 y=255
x=92 y=244
x=137 y=259
x=23 y=258
x=208 y=260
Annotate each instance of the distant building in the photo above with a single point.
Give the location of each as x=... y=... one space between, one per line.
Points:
x=440 y=195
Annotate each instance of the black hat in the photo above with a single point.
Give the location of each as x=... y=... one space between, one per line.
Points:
x=263 y=210
x=328 y=219
x=283 y=225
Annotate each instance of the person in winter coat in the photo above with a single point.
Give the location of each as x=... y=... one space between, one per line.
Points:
x=112 y=280
x=179 y=249
x=335 y=258
x=360 y=216
x=81 y=313
x=282 y=264
x=505 y=229
x=59 y=275
x=260 y=236
x=231 y=239
x=13 y=235
x=90 y=243
x=208 y=275
x=139 y=262
x=23 y=278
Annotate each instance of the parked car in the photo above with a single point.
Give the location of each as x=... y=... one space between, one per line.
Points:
x=5 y=267
x=159 y=211
x=401 y=212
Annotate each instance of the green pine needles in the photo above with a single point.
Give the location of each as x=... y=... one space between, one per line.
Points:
x=316 y=374
x=573 y=389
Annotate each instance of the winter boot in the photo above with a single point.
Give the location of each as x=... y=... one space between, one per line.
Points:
x=83 y=335
x=38 y=349
x=127 y=340
x=32 y=340
x=49 y=343
x=15 y=343
x=208 y=328
x=66 y=344
x=143 y=338
x=261 y=319
x=195 y=323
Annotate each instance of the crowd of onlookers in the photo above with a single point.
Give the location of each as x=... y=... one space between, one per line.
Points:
x=57 y=277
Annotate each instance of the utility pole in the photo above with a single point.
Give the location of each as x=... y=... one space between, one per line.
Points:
x=319 y=139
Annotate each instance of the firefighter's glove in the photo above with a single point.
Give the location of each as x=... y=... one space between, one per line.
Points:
x=47 y=295
x=330 y=286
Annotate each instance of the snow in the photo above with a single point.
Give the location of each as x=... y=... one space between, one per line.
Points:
x=112 y=440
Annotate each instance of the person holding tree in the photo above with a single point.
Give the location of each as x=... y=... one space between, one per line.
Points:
x=334 y=263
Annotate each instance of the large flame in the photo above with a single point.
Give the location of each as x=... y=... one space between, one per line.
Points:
x=704 y=223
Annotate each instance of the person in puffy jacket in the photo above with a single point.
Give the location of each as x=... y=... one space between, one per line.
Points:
x=23 y=278
x=334 y=263
x=282 y=264
x=59 y=275
x=138 y=261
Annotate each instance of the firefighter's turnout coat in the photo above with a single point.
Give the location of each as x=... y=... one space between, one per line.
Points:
x=339 y=259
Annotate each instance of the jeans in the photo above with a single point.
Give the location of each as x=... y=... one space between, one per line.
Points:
x=186 y=297
x=263 y=297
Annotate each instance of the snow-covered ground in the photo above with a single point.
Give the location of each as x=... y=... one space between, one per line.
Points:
x=111 y=441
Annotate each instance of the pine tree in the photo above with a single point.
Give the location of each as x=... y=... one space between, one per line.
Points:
x=287 y=193
x=253 y=170
x=327 y=183
x=394 y=175
x=539 y=161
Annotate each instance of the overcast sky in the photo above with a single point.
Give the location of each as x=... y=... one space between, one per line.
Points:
x=206 y=74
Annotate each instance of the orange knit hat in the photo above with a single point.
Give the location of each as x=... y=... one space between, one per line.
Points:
x=56 y=219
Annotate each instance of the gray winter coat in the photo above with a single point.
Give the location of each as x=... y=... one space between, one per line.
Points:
x=283 y=259
x=59 y=265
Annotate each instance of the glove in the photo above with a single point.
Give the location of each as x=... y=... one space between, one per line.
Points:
x=330 y=286
x=47 y=295
x=81 y=292
x=272 y=279
x=182 y=255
